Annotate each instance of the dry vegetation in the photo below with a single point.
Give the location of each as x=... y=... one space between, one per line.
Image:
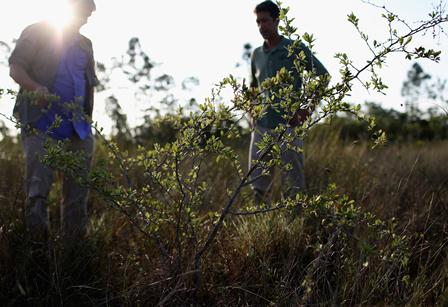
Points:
x=333 y=252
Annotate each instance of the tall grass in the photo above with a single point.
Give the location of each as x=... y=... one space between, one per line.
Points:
x=383 y=244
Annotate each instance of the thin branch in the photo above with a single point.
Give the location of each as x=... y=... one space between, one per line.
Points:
x=179 y=213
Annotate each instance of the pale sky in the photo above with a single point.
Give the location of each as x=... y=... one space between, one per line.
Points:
x=205 y=38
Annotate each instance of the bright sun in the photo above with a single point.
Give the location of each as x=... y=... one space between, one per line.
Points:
x=58 y=12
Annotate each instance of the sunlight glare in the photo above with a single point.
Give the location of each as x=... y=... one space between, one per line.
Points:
x=58 y=13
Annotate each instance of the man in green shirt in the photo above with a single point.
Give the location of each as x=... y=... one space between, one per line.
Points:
x=267 y=60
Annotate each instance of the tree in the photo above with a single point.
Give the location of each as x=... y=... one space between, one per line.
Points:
x=152 y=88
x=413 y=88
x=5 y=50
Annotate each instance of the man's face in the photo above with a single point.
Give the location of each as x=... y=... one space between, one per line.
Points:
x=82 y=10
x=267 y=25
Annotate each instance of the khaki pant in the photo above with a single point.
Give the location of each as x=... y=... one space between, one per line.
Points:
x=293 y=180
x=38 y=181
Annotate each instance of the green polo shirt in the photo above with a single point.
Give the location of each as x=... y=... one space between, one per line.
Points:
x=266 y=63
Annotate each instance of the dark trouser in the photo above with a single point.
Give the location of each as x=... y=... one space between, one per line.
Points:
x=39 y=179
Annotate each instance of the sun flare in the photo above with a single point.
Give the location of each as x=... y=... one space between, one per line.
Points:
x=58 y=13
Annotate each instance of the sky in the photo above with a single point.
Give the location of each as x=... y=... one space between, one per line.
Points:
x=205 y=38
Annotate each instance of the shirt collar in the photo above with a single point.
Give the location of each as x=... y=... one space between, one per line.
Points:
x=283 y=42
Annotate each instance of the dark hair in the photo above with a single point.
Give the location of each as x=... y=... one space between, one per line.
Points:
x=270 y=7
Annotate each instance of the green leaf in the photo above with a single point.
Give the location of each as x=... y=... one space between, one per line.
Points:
x=408 y=40
x=353 y=19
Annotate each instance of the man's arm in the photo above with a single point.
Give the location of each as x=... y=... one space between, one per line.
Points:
x=22 y=78
x=22 y=57
x=312 y=64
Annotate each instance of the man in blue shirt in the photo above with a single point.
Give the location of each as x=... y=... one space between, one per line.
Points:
x=266 y=61
x=47 y=63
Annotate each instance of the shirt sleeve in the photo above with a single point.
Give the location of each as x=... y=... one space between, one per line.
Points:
x=26 y=48
x=92 y=78
x=313 y=64
x=96 y=81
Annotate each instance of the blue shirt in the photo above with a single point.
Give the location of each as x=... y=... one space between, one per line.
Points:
x=70 y=87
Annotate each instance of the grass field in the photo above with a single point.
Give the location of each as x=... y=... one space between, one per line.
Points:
x=377 y=238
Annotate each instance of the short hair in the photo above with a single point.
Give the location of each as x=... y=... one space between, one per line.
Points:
x=88 y=3
x=270 y=7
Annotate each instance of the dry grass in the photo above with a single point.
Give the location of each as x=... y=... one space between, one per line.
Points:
x=261 y=260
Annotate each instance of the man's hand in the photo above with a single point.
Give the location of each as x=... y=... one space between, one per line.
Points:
x=42 y=94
